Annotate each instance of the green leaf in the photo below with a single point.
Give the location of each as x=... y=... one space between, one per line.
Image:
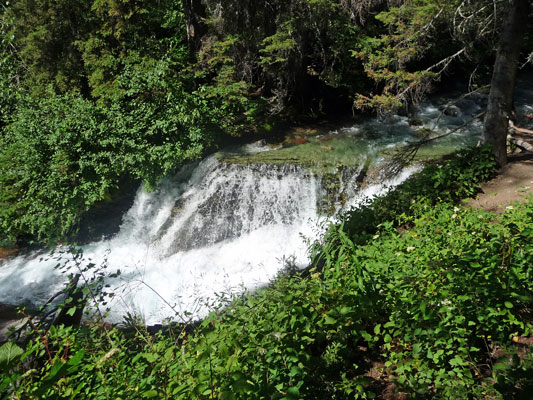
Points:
x=346 y=310
x=8 y=352
x=508 y=304
x=71 y=311
x=501 y=366
x=150 y=357
x=293 y=392
x=58 y=370
x=423 y=306
x=417 y=347
x=76 y=358
x=227 y=396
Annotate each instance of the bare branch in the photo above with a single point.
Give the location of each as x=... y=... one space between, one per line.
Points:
x=407 y=154
x=446 y=61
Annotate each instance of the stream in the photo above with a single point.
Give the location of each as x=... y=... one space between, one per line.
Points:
x=234 y=220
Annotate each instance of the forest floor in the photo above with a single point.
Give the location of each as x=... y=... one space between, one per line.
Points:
x=512 y=184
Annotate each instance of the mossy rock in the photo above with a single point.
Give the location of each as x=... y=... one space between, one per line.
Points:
x=415 y=121
x=311 y=154
x=424 y=133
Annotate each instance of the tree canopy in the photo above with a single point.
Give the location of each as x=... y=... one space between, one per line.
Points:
x=97 y=91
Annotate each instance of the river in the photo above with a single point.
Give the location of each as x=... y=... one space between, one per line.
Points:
x=234 y=220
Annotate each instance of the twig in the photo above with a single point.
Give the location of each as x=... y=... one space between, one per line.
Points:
x=409 y=152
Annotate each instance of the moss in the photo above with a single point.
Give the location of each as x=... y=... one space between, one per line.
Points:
x=313 y=154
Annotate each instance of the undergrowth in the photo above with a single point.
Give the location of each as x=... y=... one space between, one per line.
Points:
x=413 y=293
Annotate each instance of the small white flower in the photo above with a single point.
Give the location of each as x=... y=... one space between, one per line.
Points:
x=375 y=236
x=454 y=216
x=410 y=248
x=456 y=209
x=509 y=207
x=480 y=216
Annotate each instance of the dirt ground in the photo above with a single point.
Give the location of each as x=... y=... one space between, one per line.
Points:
x=514 y=183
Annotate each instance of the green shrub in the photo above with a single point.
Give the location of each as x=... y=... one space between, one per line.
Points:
x=445 y=181
x=433 y=309
x=63 y=154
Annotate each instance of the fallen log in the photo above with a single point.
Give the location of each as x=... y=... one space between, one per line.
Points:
x=520 y=143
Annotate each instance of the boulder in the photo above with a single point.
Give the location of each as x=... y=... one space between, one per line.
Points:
x=452 y=111
x=8 y=252
x=415 y=121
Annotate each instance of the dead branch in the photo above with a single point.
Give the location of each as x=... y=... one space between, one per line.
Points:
x=406 y=154
x=515 y=128
x=520 y=143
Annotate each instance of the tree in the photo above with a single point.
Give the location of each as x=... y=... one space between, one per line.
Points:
x=425 y=37
x=275 y=55
x=500 y=103
x=44 y=34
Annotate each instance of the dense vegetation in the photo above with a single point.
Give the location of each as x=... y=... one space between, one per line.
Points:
x=424 y=299
x=412 y=292
x=101 y=92
x=95 y=93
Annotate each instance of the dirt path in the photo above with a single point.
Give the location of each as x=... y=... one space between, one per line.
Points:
x=514 y=183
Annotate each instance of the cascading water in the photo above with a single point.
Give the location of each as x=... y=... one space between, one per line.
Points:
x=226 y=201
x=228 y=222
x=215 y=228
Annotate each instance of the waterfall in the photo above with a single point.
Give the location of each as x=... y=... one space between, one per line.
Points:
x=219 y=226
x=214 y=229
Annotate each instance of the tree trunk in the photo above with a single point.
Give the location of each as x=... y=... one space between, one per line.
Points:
x=194 y=14
x=500 y=103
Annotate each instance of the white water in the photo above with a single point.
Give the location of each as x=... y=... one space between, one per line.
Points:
x=217 y=229
x=214 y=229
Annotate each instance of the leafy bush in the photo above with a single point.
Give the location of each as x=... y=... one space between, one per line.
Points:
x=444 y=181
x=432 y=309
x=63 y=154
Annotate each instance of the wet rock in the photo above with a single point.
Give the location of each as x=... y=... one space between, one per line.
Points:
x=424 y=133
x=327 y=138
x=8 y=312
x=10 y=319
x=297 y=141
x=452 y=111
x=415 y=121
x=303 y=131
x=6 y=252
x=7 y=327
